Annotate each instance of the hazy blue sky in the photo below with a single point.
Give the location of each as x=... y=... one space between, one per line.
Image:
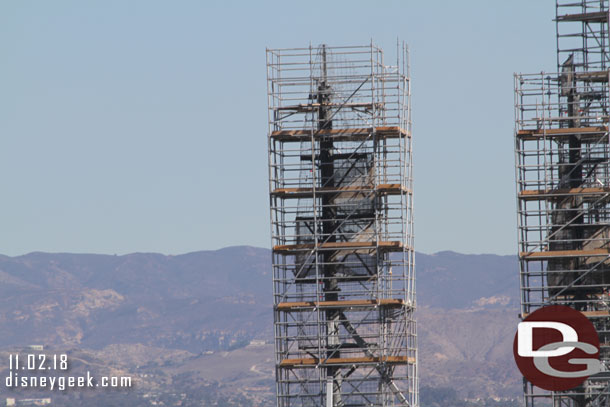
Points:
x=141 y=125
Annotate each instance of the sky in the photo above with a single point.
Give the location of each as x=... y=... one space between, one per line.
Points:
x=141 y=126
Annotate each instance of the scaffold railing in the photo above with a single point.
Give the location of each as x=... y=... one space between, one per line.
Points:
x=341 y=204
x=562 y=156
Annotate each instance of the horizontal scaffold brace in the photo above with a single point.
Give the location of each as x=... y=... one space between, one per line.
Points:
x=314 y=362
x=305 y=305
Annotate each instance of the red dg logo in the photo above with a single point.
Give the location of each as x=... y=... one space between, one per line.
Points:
x=556 y=348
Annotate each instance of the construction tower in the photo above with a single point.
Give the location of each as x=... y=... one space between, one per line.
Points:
x=563 y=186
x=342 y=227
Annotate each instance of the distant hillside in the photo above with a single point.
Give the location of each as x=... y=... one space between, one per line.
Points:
x=197 y=301
x=453 y=280
x=217 y=301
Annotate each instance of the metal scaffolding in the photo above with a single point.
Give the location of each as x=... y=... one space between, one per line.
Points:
x=342 y=227
x=563 y=186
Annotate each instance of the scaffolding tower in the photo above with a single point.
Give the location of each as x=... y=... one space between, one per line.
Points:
x=342 y=227
x=563 y=186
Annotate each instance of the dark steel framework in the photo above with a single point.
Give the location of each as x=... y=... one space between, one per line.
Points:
x=562 y=156
x=342 y=227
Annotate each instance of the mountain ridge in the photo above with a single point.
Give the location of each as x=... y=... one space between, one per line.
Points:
x=218 y=301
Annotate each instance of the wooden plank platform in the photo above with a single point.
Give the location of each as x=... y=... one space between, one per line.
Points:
x=564 y=253
x=384 y=245
x=541 y=194
x=592 y=76
x=588 y=314
x=594 y=17
x=535 y=134
x=313 y=362
x=596 y=314
x=304 y=305
x=355 y=134
x=382 y=189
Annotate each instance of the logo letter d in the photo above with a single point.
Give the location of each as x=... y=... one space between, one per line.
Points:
x=526 y=338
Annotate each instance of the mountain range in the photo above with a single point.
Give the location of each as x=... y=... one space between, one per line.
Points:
x=200 y=323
